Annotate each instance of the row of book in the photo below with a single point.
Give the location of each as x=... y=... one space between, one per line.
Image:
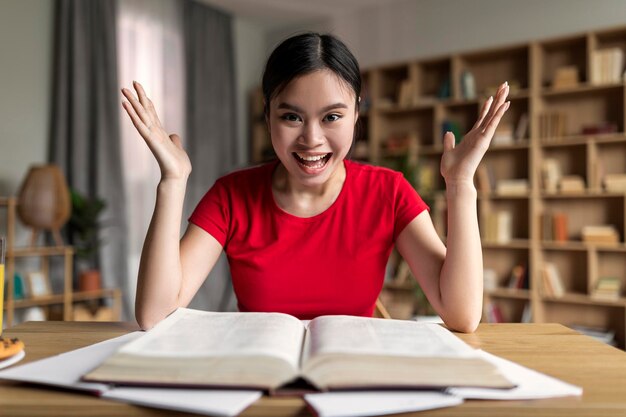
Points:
x=554 y=227
x=608 y=289
x=607 y=66
x=497 y=226
x=494 y=314
x=551 y=279
x=518 y=278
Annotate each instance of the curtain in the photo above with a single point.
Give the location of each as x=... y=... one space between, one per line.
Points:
x=151 y=51
x=181 y=52
x=211 y=134
x=84 y=133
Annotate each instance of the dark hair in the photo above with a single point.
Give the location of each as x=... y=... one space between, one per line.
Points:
x=305 y=53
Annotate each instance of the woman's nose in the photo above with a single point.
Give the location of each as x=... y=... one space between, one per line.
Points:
x=312 y=134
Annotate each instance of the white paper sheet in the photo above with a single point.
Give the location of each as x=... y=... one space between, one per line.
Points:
x=530 y=384
x=369 y=403
x=66 y=369
x=203 y=401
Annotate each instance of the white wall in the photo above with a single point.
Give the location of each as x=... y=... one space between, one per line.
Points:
x=25 y=75
x=419 y=28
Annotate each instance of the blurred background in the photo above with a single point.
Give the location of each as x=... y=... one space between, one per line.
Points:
x=63 y=64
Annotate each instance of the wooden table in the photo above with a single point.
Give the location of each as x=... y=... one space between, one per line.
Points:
x=549 y=348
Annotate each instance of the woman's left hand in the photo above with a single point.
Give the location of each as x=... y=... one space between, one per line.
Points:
x=459 y=163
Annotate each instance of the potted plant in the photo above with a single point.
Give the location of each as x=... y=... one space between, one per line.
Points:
x=84 y=226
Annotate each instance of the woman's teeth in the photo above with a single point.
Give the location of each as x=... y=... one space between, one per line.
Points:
x=312 y=161
x=311 y=158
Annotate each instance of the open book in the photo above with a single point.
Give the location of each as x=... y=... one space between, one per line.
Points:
x=269 y=350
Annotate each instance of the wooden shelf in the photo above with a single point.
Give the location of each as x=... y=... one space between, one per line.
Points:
x=573 y=298
x=513 y=244
x=435 y=91
x=581 y=89
x=67 y=298
x=509 y=293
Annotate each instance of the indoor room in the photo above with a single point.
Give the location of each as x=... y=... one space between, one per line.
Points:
x=417 y=204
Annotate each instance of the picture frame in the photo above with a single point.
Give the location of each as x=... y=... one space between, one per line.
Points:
x=38 y=284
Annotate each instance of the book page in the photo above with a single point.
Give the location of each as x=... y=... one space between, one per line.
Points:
x=190 y=333
x=362 y=335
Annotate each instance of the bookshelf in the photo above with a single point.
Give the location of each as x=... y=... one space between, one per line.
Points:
x=71 y=305
x=568 y=110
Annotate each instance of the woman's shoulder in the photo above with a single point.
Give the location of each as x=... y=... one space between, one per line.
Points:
x=372 y=173
x=248 y=175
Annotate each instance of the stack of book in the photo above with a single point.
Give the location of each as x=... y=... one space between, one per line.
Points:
x=572 y=184
x=600 y=334
x=602 y=234
x=550 y=174
x=607 y=66
x=551 y=278
x=498 y=227
x=554 y=227
x=615 y=183
x=552 y=125
x=512 y=187
x=607 y=288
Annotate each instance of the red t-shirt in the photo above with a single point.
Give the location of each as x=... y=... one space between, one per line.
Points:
x=331 y=263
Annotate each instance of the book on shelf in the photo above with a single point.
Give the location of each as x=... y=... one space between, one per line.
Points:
x=468 y=85
x=512 y=186
x=607 y=288
x=552 y=125
x=607 y=66
x=600 y=234
x=565 y=77
x=551 y=279
x=571 y=184
x=615 y=183
x=527 y=314
x=269 y=350
x=490 y=279
x=498 y=226
x=554 y=227
x=503 y=134
x=521 y=129
x=519 y=277
x=494 y=313
x=550 y=174
x=599 y=128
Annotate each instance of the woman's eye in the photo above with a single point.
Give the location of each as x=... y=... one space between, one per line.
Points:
x=332 y=117
x=290 y=117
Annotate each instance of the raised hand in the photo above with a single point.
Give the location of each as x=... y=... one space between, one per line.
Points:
x=459 y=163
x=167 y=149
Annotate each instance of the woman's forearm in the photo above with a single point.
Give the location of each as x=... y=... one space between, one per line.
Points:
x=160 y=272
x=461 y=282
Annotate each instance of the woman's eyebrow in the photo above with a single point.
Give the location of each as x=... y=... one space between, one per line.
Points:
x=324 y=109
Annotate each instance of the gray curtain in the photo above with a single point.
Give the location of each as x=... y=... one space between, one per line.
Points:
x=211 y=136
x=84 y=130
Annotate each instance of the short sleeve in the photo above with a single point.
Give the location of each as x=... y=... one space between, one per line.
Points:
x=407 y=203
x=213 y=212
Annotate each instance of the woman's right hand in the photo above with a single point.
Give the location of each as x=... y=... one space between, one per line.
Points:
x=167 y=149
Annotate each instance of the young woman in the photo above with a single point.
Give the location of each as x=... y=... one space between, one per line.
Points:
x=310 y=234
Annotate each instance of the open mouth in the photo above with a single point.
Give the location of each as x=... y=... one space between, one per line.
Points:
x=312 y=161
